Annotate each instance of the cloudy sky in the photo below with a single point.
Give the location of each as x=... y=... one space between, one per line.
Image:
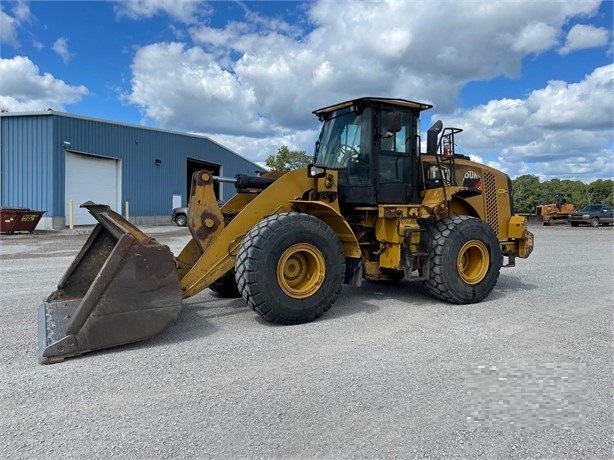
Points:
x=530 y=82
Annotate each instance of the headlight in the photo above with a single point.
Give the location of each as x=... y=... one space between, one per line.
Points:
x=316 y=171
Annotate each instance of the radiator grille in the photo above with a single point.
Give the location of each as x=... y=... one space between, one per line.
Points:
x=492 y=210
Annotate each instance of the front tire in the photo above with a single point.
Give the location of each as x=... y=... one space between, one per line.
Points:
x=594 y=222
x=464 y=260
x=290 y=267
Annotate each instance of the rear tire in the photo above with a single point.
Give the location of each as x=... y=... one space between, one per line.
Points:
x=290 y=268
x=464 y=260
x=226 y=286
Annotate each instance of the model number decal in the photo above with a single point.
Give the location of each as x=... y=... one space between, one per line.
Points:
x=471 y=179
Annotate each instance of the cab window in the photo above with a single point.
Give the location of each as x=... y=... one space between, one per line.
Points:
x=345 y=142
x=394 y=149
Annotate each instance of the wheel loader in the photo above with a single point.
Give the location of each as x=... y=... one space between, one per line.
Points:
x=370 y=207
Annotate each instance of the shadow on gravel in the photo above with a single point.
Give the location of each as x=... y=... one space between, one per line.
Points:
x=194 y=320
x=201 y=311
x=368 y=297
x=193 y=324
x=404 y=290
x=362 y=300
x=509 y=284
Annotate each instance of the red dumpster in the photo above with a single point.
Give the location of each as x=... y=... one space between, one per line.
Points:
x=19 y=219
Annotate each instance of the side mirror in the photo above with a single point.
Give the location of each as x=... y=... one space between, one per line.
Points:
x=394 y=122
x=431 y=137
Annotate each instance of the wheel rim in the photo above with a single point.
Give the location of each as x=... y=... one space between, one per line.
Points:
x=301 y=270
x=473 y=261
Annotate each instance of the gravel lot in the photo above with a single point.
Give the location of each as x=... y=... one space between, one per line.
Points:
x=388 y=372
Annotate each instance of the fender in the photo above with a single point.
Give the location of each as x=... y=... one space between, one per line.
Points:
x=334 y=220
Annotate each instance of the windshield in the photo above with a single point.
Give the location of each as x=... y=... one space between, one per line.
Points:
x=343 y=137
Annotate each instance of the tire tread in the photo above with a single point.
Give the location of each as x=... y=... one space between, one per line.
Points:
x=436 y=284
x=248 y=260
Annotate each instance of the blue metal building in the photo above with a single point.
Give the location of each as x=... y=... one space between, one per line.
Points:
x=53 y=161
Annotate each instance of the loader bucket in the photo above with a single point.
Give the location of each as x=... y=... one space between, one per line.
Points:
x=121 y=288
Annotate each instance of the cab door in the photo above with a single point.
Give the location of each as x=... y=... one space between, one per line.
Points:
x=397 y=160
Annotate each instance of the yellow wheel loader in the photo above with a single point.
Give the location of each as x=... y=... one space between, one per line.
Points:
x=371 y=206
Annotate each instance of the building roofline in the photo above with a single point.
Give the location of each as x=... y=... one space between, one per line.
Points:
x=118 y=123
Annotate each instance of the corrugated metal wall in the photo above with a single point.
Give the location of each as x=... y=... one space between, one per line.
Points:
x=33 y=161
x=26 y=162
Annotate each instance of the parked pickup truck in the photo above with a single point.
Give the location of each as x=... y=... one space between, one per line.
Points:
x=180 y=216
x=593 y=215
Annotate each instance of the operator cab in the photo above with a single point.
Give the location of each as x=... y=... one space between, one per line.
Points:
x=375 y=145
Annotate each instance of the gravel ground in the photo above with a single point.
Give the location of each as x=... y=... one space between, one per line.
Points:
x=388 y=372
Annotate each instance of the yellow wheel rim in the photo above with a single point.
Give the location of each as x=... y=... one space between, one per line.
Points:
x=473 y=261
x=301 y=270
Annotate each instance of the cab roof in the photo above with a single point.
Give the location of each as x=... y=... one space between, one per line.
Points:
x=373 y=100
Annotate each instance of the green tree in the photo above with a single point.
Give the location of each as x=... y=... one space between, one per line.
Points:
x=287 y=160
x=573 y=190
x=601 y=191
x=527 y=193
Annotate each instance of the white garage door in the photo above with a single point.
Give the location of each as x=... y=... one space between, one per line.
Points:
x=91 y=178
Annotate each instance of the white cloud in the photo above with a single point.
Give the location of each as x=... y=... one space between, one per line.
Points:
x=9 y=24
x=190 y=91
x=586 y=105
x=22 y=13
x=258 y=149
x=583 y=36
x=186 y=11
x=535 y=38
x=262 y=77
x=24 y=89
x=8 y=32
x=563 y=129
x=427 y=51
x=60 y=46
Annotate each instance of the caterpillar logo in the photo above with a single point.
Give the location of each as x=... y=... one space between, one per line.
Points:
x=471 y=179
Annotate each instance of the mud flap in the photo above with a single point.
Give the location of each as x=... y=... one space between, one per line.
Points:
x=121 y=288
